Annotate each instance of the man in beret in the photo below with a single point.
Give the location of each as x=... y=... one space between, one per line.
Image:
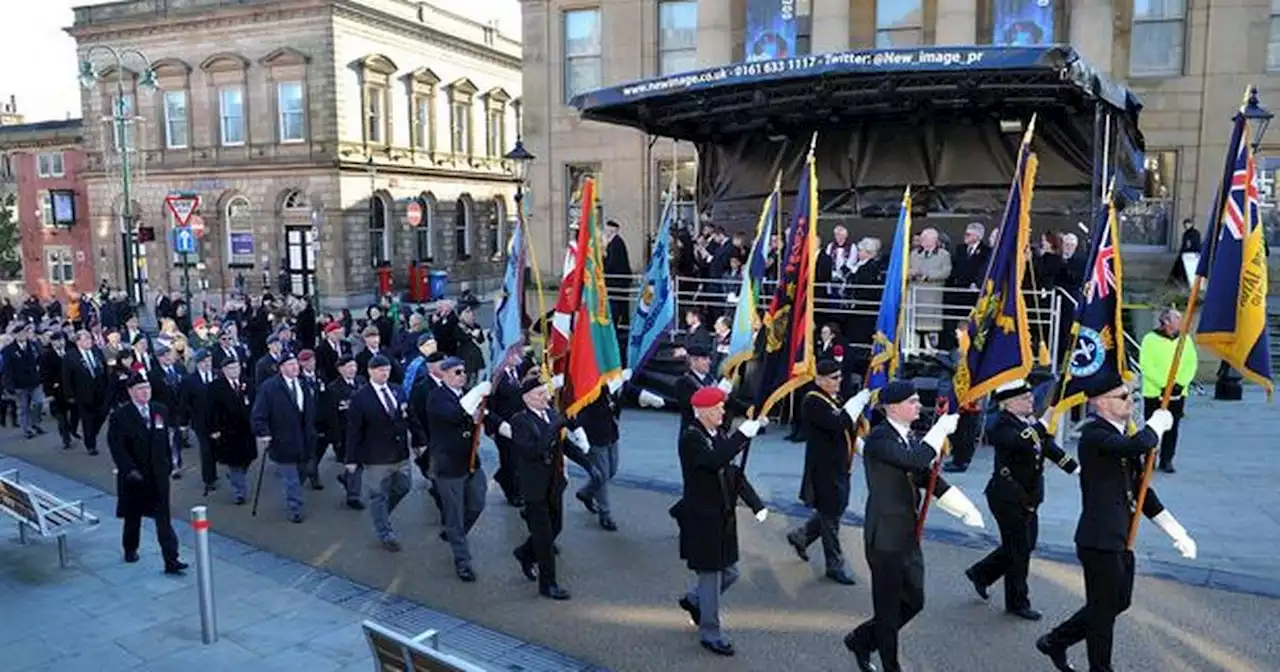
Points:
x=166 y=381
x=372 y=348
x=60 y=406
x=897 y=467
x=539 y=446
x=22 y=378
x=504 y=404
x=311 y=380
x=697 y=377
x=284 y=422
x=377 y=446
x=231 y=439
x=455 y=465
x=193 y=400
x=138 y=436
x=828 y=461
x=1111 y=469
x=269 y=364
x=423 y=385
x=425 y=345
x=333 y=346
x=1014 y=493
x=336 y=410
x=706 y=512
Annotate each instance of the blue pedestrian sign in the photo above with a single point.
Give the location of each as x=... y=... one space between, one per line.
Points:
x=183 y=240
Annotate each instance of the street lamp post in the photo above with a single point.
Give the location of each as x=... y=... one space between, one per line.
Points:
x=521 y=159
x=123 y=140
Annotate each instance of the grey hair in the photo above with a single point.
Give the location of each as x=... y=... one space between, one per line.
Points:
x=976 y=227
x=1070 y=238
x=1167 y=314
x=869 y=245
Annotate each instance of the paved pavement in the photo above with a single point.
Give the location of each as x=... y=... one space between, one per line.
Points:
x=782 y=615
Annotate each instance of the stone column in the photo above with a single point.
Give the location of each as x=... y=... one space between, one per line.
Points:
x=830 y=20
x=957 y=22
x=715 y=32
x=1091 y=32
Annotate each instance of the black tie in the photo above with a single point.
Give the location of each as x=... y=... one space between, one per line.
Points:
x=388 y=402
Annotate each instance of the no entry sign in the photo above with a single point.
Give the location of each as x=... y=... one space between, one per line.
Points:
x=414 y=213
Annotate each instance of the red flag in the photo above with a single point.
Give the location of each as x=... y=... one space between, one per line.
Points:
x=594 y=359
x=570 y=287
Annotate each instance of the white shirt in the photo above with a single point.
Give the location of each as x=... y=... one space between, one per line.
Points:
x=384 y=392
x=1122 y=427
x=903 y=430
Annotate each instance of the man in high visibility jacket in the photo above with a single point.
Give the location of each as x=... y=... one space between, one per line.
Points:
x=1156 y=359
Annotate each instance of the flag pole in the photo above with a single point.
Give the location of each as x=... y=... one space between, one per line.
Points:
x=1192 y=303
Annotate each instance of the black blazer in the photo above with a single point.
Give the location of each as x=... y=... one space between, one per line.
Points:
x=229 y=418
x=275 y=414
x=1021 y=448
x=87 y=389
x=374 y=435
x=503 y=404
x=422 y=388
x=712 y=487
x=164 y=390
x=51 y=378
x=193 y=401
x=22 y=366
x=1111 y=466
x=266 y=367
x=968 y=269
x=599 y=419
x=828 y=454
x=897 y=469
x=334 y=406
x=141 y=445
x=327 y=358
x=542 y=451
x=451 y=432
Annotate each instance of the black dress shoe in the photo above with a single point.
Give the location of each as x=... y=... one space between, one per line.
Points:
x=180 y=565
x=355 y=505
x=528 y=567
x=175 y=570
x=131 y=557
x=554 y=592
x=842 y=577
x=467 y=575
x=718 y=648
x=296 y=518
x=608 y=525
x=798 y=546
x=516 y=501
x=860 y=655
x=1025 y=613
x=93 y=451
x=444 y=536
x=978 y=588
x=588 y=502
x=1168 y=469
x=1056 y=655
x=391 y=545
x=316 y=484
x=694 y=611
x=955 y=468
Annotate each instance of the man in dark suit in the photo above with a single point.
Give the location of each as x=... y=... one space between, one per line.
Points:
x=312 y=381
x=968 y=269
x=284 y=421
x=84 y=379
x=828 y=462
x=422 y=388
x=372 y=348
x=332 y=348
x=138 y=436
x=897 y=468
x=599 y=422
x=459 y=477
x=617 y=271
x=227 y=348
x=22 y=378
x=60 y=407
x=535 y=435
x=697 y=377
x=230 y=428
x=336 y=409
x=269 y=364
x=377 y=446
x=166 y=381
x=504 y=404
x=1014 y=493
x=193 y=400
x=1111 y=468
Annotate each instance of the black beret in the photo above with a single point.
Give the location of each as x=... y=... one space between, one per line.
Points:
x=828 y=367
x=425 y=337
x=57 y=336
x=286 y=355
x=1103 y=383
x=345 y=360
x=379 y=362
x=138 y=378
x=229 y=361
x=435 y=357
x=897 y=391
x=1010 y=390
x=698 y=350
x=138 y=338
x=531 y=383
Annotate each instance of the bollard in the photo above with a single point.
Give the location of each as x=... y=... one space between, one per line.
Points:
x=204 y=575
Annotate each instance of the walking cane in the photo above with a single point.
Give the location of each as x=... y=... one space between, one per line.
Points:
x=257 y=489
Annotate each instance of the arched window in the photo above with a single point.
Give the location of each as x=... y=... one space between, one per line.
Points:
x=239 y=226
x=424 y=237
x=379 y=237
x=462 y=228
x=294 y=200
x=497 y=229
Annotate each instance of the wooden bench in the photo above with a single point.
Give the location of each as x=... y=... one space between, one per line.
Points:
x=395 y=652
x=42 y=513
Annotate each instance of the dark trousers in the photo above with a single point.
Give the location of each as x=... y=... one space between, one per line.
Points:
x=897 y=595
x=208 y=465
x=311 y=467
x=1012 y=558
x=507 y=476
x=965 y=441
x=1108 y=591
x=545 y=519
x=91 y=420
x=826 y=528
x=1168 y=442
x=68 y=419
x=132 y=537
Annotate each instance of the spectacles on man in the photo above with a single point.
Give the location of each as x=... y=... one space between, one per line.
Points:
x=1123 y=395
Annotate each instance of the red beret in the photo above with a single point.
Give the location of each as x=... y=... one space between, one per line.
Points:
x=306 y=356
x=332 y=326
x=200 y=322
x=708 y=397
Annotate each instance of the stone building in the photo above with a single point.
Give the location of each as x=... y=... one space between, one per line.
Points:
x=306 y=127
x=44 y=164
x=1189 y=62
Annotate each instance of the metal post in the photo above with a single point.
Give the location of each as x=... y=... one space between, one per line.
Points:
x=204 y=575
x=186 y=280
x=127 y=236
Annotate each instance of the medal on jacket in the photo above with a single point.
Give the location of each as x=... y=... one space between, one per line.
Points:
x=157 y=421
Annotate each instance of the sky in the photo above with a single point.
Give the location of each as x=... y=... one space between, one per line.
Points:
x=50 y=90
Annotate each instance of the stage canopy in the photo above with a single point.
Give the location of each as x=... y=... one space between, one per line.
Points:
x=945 y=120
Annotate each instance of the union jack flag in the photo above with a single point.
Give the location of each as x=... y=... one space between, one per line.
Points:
x=1103 y=278
x=1243 y=194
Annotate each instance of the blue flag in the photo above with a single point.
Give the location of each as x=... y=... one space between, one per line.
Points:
x=656 y=310
x=746 y=314
x=995 y=342
x=884 y=346
x=508 y=337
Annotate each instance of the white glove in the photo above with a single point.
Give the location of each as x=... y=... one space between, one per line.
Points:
x=504 y=430
x=626 y=375
x=471 y=400
x=857 y=404
x=762 y=515
x=650 y=400
x=749 y=428
x=1181 y=540
x=732 y=298
x=557 y=381
x=944 y=427
x=485 y=388
x=725 y=385
x=957 y=504
x=579 y=438
x=1161 y=421
x=614 y=385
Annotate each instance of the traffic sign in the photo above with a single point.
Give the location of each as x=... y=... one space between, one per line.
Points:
x=414 y=213
x=183 y=206
x=196 y=224
x=184 y=241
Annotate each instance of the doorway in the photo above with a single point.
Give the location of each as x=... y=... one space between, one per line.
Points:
x=300 y=259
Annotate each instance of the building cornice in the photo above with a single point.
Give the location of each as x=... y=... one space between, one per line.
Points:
x=372 y=17
x=199 y=19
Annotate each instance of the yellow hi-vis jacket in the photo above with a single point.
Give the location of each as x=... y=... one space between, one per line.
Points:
x=1156 y=358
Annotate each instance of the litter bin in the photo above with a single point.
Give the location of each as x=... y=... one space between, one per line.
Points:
x=439 y=284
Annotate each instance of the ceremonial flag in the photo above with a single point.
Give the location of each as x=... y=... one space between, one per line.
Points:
x=746 y=317
x=1097 y=332
x=656 y=310
x=508 y=334
x=593 y=357
x=884 y=345
x=995 y=342
x=1233 y=260
x=787 y=361
x=570 y=287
